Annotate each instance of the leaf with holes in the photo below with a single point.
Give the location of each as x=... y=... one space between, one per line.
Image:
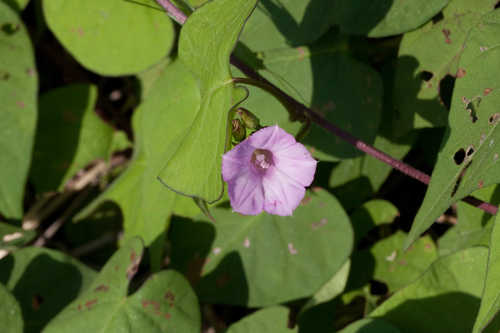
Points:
x=490 y=301
x=12 y=237
x=69 y=136
x=469 y=157
x=10 y=312
x=268 y=320
x=283 y=23
x=18 y=93
x=384 y=18
x=44 y=282
x=111 y=37
x=229 y=261
x=473 y=226
x=163 y=117
x=354 y=103
x=164 y=303
x=428 y=62
x=206 y=42
x=370 y=325
x=444 y=299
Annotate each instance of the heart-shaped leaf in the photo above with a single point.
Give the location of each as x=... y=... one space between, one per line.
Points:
x=18 y=93
x=111 y=37
x=469 y=156
x=206 y=42
x=234 y=255
x=69 y=136
x=444 y=299
x=426 y=57
x=44 y=282
x=164 y=116
x=164 y=303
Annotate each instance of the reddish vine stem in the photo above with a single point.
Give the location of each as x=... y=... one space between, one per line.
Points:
x=408 y=170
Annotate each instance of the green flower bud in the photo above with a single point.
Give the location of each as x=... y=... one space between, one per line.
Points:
x=238 y=130
x=249 y=119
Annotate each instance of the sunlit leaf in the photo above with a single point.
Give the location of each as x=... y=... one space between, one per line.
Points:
x=10 y=313
x=164 y=303
x=469 y=156
x=490 y=301
x=18 y=93
x=426 y=57
x=444 y=299
x=44 y=282
x=111 y=37
x=164 y=116
x=230 y=261
x=206 y=42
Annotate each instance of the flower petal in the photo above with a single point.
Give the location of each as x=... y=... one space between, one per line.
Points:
x=271 y=138
x=282 y=194
x=296 y=162
x=246 y=193
x=236 y=160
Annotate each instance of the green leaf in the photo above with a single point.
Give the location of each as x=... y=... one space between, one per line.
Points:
x=18 y=93
x=490 y=301
x=370 y=325
x=433 y=50
x=69 y=136
x=468 y=159
x=268 y=320
x=331 y=289
x=234 y=255
x=17 y=5
x=282 y=23
x=12 y=237
x=384 y=18
x=396 y=268
x=444 y=299
x=474 y=225
x=373 y=213
x=111 y=37
x=44 y=282
x=164 y=303
x=164 y=116
x=206 y=42
x=10 y=312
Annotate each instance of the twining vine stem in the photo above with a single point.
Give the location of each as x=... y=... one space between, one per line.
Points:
x=408 y=170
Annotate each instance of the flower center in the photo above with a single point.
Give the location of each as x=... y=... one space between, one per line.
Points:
x=262 y=159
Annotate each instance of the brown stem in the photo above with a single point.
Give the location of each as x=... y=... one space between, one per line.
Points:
x=408 y=170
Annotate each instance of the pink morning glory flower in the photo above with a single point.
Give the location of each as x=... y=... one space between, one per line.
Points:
x=268 y=171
